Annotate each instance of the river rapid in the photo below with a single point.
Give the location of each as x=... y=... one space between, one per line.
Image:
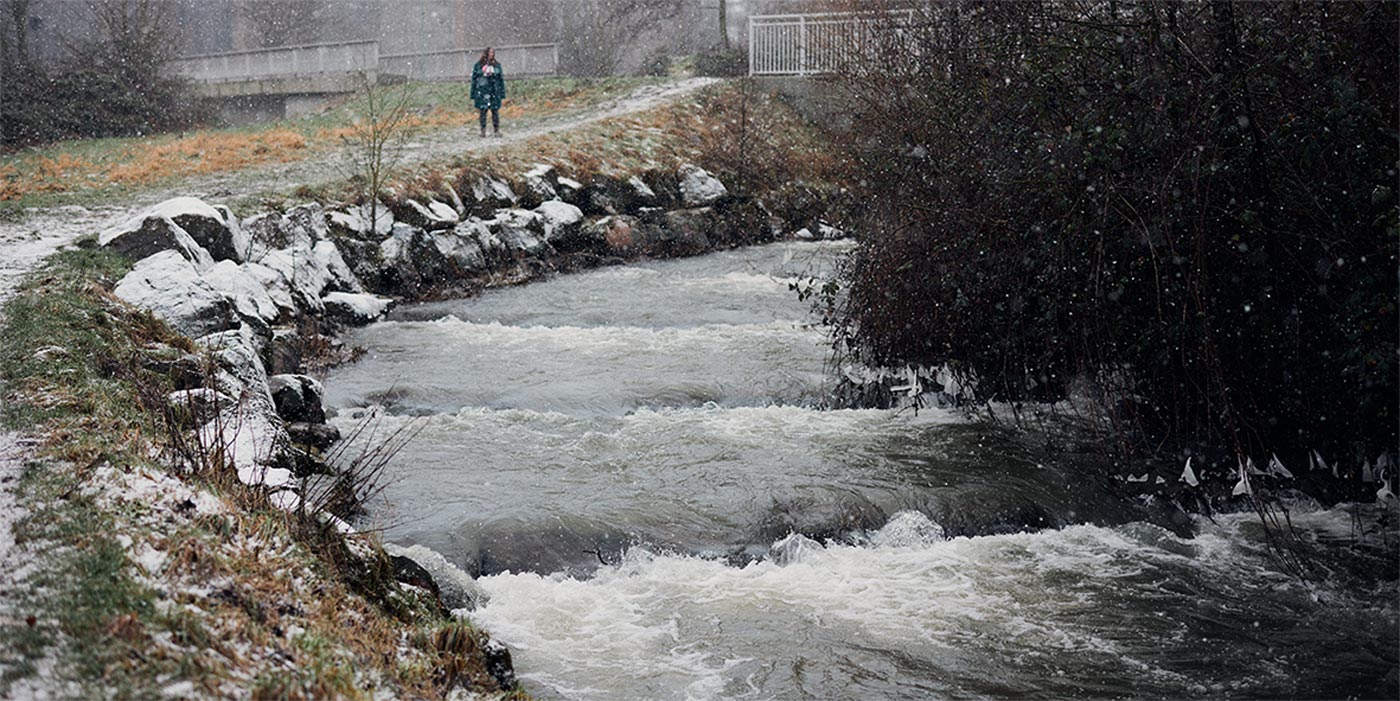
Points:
x=635 y=464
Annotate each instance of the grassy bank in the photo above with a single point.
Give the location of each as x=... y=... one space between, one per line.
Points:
x=95 y=171
x=154 y=577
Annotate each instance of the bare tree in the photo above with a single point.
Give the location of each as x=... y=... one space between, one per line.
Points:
x=375 y=147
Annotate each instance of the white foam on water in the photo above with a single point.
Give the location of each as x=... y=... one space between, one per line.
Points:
x=663 y=626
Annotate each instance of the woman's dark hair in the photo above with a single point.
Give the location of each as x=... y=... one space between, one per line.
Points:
x=485 y=53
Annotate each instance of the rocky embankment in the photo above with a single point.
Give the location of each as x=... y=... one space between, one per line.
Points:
x=265 y=295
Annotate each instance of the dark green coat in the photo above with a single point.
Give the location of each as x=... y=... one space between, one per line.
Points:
x=488 y=91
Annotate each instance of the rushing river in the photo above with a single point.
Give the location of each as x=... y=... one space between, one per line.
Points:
x=634 y=463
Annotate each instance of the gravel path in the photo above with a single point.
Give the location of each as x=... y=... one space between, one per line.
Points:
x=24 y=243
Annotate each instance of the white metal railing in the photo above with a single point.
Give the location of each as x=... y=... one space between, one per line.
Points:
x=279 y=62
x=811 y=44
x=456 y=64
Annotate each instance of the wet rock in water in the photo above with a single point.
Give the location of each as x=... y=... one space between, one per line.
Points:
x=745 y=223
x=171 y=288
x=538 y=185
x=214 y=228
x=618 y=235
x=454 y=588
x=498 y=664
x=698 y=187
x=413 y=574
x=793 y=548
x=315 y=435
x=298 y=398
x=145 y=236
x=355 y=309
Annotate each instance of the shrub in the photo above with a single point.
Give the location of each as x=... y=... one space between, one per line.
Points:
x=722 y=63
x=1187 y=211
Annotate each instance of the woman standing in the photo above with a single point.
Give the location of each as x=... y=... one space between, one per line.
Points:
x=488 y=89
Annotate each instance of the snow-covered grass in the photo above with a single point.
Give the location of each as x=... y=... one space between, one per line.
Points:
x=152 y=580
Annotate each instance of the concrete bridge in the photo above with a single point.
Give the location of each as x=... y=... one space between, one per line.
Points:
x=287 y=81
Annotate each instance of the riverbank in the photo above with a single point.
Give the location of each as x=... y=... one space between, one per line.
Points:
x=175 y=504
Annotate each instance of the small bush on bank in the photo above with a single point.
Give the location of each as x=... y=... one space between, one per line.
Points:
x=722 y=63
x=1186 y=211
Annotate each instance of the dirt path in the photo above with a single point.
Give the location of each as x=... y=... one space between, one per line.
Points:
x=25 y=243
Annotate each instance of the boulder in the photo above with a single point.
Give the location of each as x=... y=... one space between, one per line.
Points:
x=215 y=229
x=460 y=247
x=521 y=230
x=355 y=222
x=456 y=589
x=426 y=217
x=571 y=191
x=313 y=435
x=607 y=195
x=454 y=199
x=198 y=405
x=563 y=223
x=682 y=232
x=699 y=188
x=298 y=228
x=145 y=236
x=282 y=355
x=355 y=309
x=298 y=398
x=537 y=185
x=489 y=194
x=248 y=294
x=411 y=262
x=619 y=235
x=171 y=288
x=335 y=273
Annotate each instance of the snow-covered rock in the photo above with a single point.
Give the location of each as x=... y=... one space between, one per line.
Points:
x=454 y=199
x=460 y=246
x=248 y=432
x=355 y=309
x=571 y=191
x=539 y=184
x=356 y=221
x=298 y=398
x=562 y=221
x=171 y=288
x=247 y=292
x=144 y=236
x=643 y=190
x=215 y=229
x=336 y=275
x=490 y=194
x=521 y=230
x=427 y=217
x=699 y=188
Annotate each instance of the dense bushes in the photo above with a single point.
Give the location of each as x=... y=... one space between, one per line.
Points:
x=723 y=63
x=1186 y=210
